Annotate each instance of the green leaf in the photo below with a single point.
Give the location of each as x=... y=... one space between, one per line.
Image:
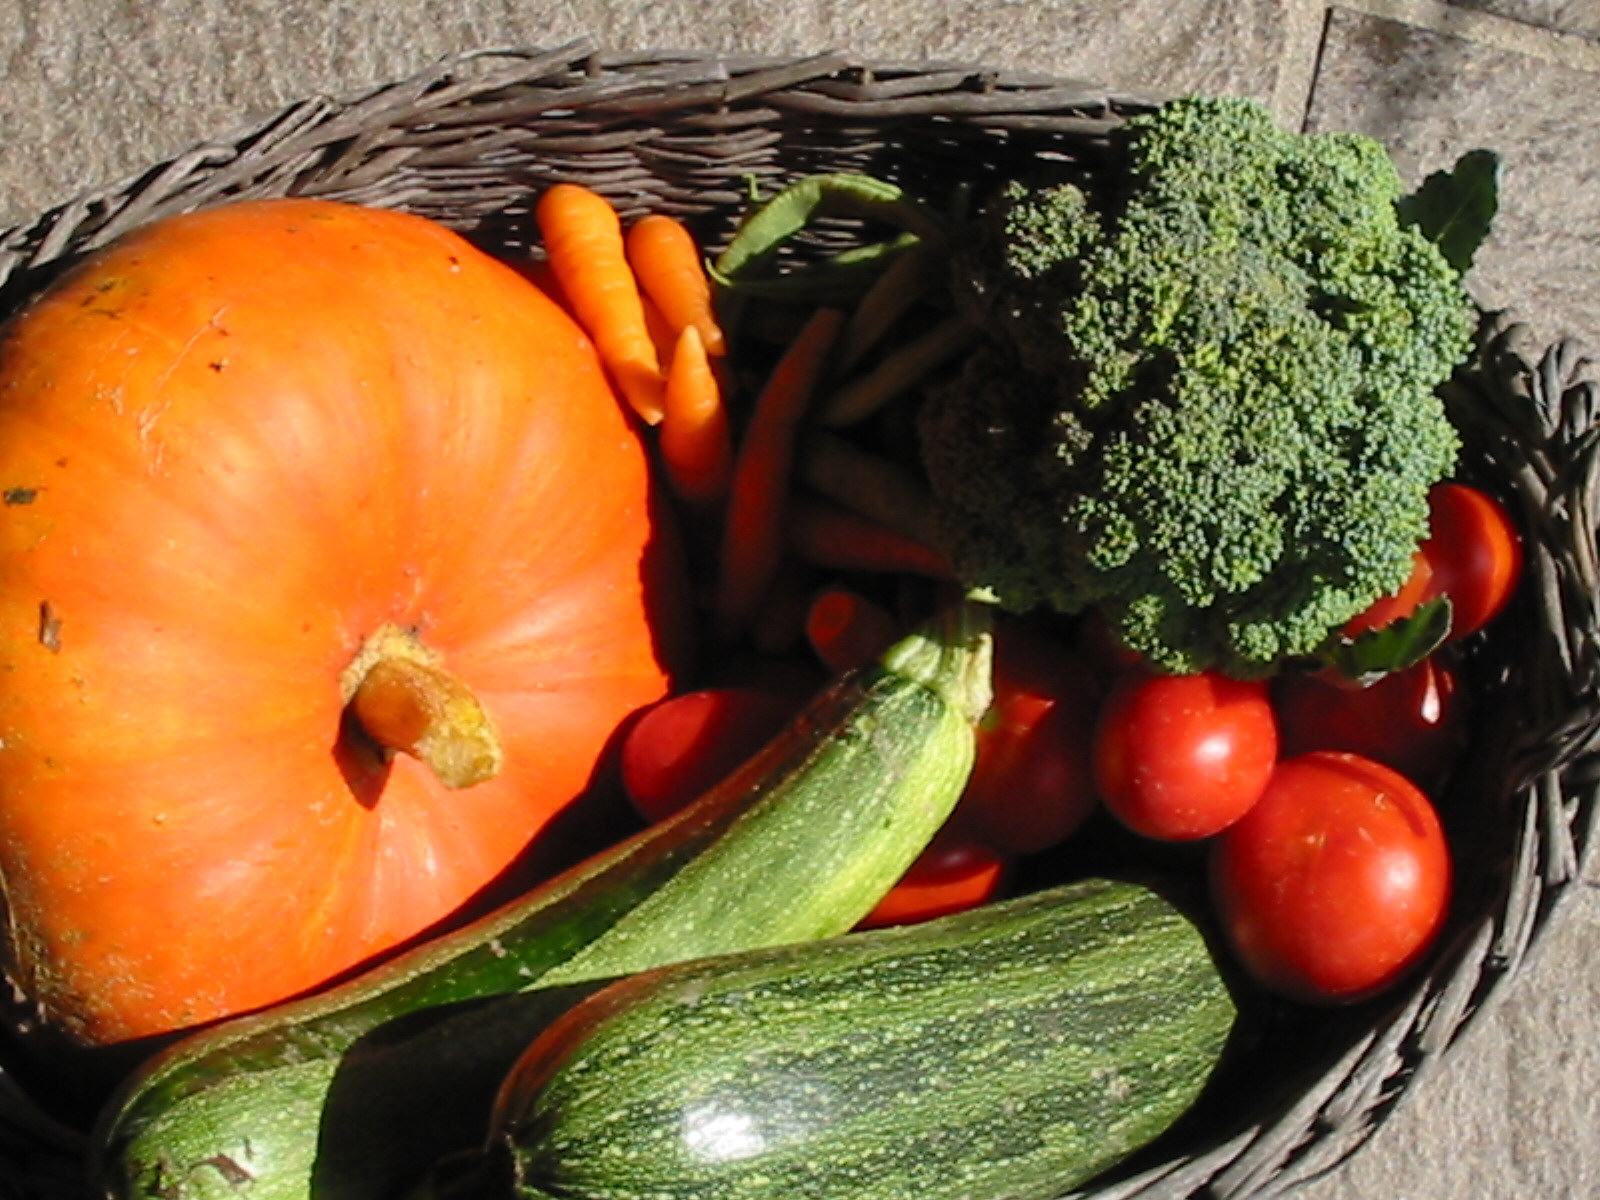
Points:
x=1454 y=209
x=1396 y=646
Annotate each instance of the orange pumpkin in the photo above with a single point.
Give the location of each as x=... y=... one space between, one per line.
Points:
x=328 y=568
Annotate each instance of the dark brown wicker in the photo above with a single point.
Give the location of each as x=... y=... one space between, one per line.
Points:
x=471 y=141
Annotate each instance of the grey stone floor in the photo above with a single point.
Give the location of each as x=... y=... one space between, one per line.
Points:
x=95 y=89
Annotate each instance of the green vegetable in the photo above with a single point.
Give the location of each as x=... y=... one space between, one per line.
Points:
x=1207 y=403
x=354 y=1092
x=1011 y=1051
x=1454 y=208
x=776 y=221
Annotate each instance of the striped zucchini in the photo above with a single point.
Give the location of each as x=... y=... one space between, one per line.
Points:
x=352 y=1093
x=1006 y=1053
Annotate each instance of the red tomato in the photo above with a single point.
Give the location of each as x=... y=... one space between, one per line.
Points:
x=954 y=873
x=1475 y=554
x=845 y=629
x=1032 y=784
x=687 y=743
x=1178 y=757
x=1412 y=720
x=1336 y=882
x=1403 y=603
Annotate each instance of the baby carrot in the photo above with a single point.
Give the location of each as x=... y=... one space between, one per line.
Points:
x=662 y=335
x=696 y=446
x=777 y=627
x=753 y=535
x=872 y=484
x=666 y=261
x=829 y=535
x=583 y=239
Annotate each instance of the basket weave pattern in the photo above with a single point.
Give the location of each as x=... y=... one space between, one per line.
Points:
x=472 y=142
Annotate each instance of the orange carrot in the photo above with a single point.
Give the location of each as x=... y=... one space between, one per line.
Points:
x=667 y=264
x=662 y=335
x=830 y=535
x=847 y=630
x=752 y=543
x=583 y=239
x=696 y=445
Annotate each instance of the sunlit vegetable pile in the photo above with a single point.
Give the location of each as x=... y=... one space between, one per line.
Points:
x=800 y=647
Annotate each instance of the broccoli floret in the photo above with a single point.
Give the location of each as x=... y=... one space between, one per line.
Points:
x=1209 y=408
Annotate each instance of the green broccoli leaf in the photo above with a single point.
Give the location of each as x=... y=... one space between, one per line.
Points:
x=1401 y=644
x=1454 y=209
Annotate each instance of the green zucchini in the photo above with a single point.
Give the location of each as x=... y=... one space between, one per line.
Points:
x=1011 y=1052
x=349 y=1094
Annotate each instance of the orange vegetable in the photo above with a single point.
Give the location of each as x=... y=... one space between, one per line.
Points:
x=303 y=486
x=583 y=239
x=778 y=625
x=662 y=335
x=667 y=263
x=831 y=535
x=847 y=630
x=696 y=444
x=753 y=536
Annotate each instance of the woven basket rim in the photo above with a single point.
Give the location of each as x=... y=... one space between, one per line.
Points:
x=470 y=138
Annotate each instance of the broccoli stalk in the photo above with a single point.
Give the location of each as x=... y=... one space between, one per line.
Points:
x=1207 y=403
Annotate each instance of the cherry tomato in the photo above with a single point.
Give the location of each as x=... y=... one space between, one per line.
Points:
x=1412 y=720
x=1403 y=603
x=685 y=744
x=1336 y=882
x=846 y=629
x=954 y=873
x=1032 y=784
x=1178 y=757
x=1475 y=553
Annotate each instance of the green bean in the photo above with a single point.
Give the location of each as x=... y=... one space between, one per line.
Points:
x=897 y=289
x=902 y=368
x=841 y=278
x=793 y=209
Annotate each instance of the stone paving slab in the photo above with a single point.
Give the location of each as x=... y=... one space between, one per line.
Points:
x=1581 y=17
x=1429 y=94
x=93 y=91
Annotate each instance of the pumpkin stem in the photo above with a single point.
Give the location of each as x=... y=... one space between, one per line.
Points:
x=406 y=702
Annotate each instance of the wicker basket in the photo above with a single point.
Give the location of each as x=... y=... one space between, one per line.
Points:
x=473 y=140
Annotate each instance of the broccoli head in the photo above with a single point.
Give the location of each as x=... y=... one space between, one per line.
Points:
x=1208 y=408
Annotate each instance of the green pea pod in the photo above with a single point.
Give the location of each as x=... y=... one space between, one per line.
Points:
x=793 y=209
